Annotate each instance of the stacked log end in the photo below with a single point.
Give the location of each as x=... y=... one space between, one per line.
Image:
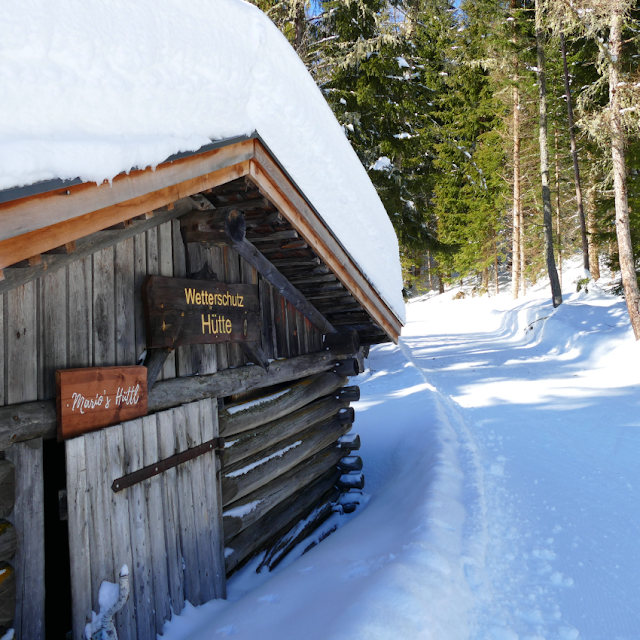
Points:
x=288 y=460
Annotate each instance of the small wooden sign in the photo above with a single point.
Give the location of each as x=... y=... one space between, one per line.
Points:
x=92 y=398
x=180 y=311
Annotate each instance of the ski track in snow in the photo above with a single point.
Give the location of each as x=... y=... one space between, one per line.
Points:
x=502 y=460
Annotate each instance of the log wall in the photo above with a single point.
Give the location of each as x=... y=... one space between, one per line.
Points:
x=284 y=461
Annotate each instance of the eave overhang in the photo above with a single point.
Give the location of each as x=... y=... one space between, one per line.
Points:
x=42 y=217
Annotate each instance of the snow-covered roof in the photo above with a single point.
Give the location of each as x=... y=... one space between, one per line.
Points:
x=92 y=89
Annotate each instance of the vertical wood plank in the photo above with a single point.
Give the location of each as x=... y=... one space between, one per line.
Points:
x=140 y=272
x=216 y=260
x=80 y=313
x=186 y=514
x=184 y=365
x=153 y=263
x=22 y=344
x=100 y=551
x=292 y=330
x=28 y=519
x=118 y=516
x=142 y=594
x=266 y=339
x=165 y=267
x=54 y=329
x=178 y=251
x=232 y=276
x=124 y=303
x=204 y=522
x=158 y=548
x=280 y=321
x=168 y=483
x=213 y=488
x=204 y=356
x=104 y=334
x=308 y=336
x=153 y=258
x=79 y=549
x=272 y=330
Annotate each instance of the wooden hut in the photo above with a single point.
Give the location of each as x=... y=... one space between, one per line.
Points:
x=248 y=425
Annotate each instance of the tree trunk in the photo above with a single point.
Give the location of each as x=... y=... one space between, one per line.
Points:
x=558 y=227
x=594 y=264
x=623 y=230
x=516 y=269
x=574 y=155
x=556 y=293
x=523 y=262
x=299 y=23
x=495 y=261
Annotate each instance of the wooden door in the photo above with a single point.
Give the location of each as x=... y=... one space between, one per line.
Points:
x=166 y=529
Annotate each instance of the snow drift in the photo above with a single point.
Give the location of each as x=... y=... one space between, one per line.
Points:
x=92 y=89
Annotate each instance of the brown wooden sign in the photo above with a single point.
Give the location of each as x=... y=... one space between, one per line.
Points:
x=92 y=398
x=180 y=311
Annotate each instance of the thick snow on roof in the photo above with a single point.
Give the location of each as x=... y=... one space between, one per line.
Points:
x=90 y=89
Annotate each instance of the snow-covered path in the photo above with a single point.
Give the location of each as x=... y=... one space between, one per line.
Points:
x=501 y=444
x=554 y=412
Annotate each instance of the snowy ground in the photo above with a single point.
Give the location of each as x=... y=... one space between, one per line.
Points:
x=501 y=444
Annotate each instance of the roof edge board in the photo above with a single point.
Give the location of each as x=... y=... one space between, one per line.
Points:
x=46 y=186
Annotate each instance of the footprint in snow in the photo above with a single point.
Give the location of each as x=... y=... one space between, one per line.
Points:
x=503 y=633
x=558 y=579
x=229 y=630
x=496 y=469
x=272 y=598
x=568 y=633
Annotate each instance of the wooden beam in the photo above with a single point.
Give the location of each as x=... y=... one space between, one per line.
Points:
x=69 y=247
x=278 y=520
x=40 y=211
x=247 y=475
x=237 y=519
x=171 y=393
x=88 y=245
x=236 y=418
x=17 y=248
x=20 y=422
x=250 y=443
x=236 y=230
x=300 y=532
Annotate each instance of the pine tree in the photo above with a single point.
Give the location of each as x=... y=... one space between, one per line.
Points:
x=469 y=192
x=603 y=21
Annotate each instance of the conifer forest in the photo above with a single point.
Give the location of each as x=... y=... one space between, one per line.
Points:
x=502 y=135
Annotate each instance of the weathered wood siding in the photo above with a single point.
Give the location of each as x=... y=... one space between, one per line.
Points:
x=166 y=529
x=90 y=314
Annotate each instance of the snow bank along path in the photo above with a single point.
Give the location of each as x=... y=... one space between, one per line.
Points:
x=91 y=89
x=552 y=399
x=503 y=500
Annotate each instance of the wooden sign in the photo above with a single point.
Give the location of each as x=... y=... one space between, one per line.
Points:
x=92 y=398
x=180 y=311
